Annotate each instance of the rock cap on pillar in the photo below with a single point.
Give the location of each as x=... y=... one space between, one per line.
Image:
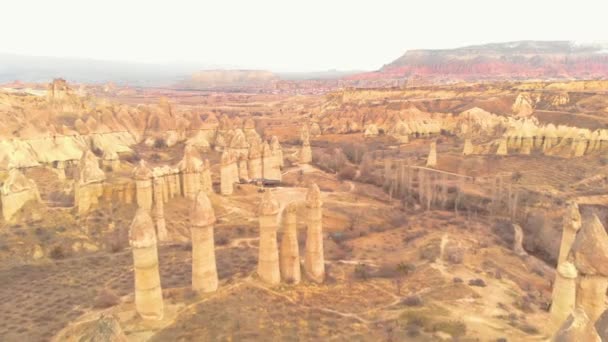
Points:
x=313 y=196
x=141 y=232
x=269 y=206
x=590 y=248
x=202 y=211
x=142 y=171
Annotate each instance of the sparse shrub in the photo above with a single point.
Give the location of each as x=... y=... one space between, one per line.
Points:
x=160 y=143
x=454 y=254
x=413 y=300
x=477 y=282
x=222 y=240
x=529 y=329
x=431 y=251
x=105 y=299
x=155 y=157
x=57 y=253
x=457 y=280
x=517 y=176
x=133 y=158
x=347 y=173
x=361 y=272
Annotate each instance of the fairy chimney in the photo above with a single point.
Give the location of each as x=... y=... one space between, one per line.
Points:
x=564 y=293
x=204 y=271
x=314 y=262
x=226 y=174
x=431 y=161
x=290 y=253
x=143 y=185
x=268 y=258
x=254 y=163
x=17 y=191
x=190 y=167
x=148 y=292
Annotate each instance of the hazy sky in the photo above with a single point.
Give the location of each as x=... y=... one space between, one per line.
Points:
x=284 y=35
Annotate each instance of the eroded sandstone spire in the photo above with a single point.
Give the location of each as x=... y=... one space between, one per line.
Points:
x=590 y=254
x=190 y=167
x=143 y=185
x=148 y=292
x=314 y=263
x=290 y=253
x=204 y=271
x=268 y=257
x=431 y=160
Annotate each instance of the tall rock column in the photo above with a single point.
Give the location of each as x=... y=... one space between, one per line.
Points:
x=148 y=292
x=502 y=147
x=268 y=257
x=572 y=224
x=270 y=167
x=243 y=168
x=255 y=161
x=204 y=271
x=190 y=167
x=468 y=147
x=290 y=253
x=590 y=254
x=158 y=211
x=226 y=180
x=143 y=185
x=306 y=151
x=275 y=146
x=564 y=293
x=432 y=158
x=206 y=181
x=314 y=262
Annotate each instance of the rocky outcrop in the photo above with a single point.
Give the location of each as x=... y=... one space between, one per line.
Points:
x=16 y=192
x=577 y=328
x=590 y=254
x=518 y=239
x=148 y=292
x=523 y=105
x=314 y=261
x=204 y=271
x=268 y=258
x=290 y=253
x=104 y=329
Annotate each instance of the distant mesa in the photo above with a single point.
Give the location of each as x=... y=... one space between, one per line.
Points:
x=510 y=60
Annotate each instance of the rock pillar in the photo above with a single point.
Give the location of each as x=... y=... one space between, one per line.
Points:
x=572 y=224
x=143 y=185
x=290 y=253
x=243 y=169
x=314 y=261
x=431 y=160
x=590 y=254
x=204 y=271
x=564 y=293
x=206 y=181
x=190 y=167
x=226 y=174
x=158 y=211
x=255 y=161
x=148 y=292
x=268 y=258
x=502 y=147
x=468 y=147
